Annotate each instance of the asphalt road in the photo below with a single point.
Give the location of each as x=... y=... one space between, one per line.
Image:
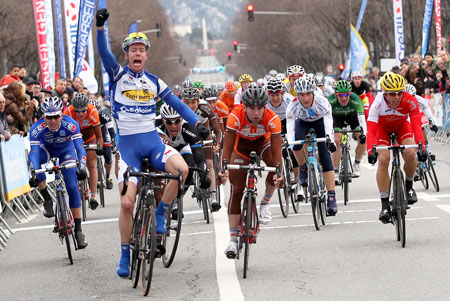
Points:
x=353 y=257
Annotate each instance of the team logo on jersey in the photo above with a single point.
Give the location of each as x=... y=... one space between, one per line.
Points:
x=62 y=133
x=138 y=95
x=67 y=156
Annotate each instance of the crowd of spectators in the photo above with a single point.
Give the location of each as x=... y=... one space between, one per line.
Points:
x=21 y=95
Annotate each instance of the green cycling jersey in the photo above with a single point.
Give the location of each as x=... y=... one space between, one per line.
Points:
x=354 y=107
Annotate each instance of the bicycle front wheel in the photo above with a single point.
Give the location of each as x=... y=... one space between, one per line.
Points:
x=148 y=240
x=172 y=236
x=204 y=202
x=399 y=206
x=83 y=194
x=313 y=190
x=283 y=199
x=64 y=227
x=101 y=180
x=135 y=245
x=432 y=173
x=248 y=235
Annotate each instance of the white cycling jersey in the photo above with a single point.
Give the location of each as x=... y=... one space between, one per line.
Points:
x=238 y=97
x=320 y=108
x=423 y=106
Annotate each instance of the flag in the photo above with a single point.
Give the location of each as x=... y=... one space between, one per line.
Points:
x=359 y=51
x=426 y=25
x=132 y=28
x=87 y=75
x=437 y=18
x=346 y=73
x=71 y=10
x=398 y=26
x=105 y=77
x=91 y=52
x=41 y=35
x=50 y=41
x=86 y=18
x=60 y=39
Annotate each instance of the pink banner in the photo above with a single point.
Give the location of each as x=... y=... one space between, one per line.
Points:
x=437 y=15
x=41 y=34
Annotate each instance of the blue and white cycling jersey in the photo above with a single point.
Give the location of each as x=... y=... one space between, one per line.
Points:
x=134 y=95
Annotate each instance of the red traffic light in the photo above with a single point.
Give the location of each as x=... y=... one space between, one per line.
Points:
x=229 y=53
x=341 y=67
x=235 y=43
x=250 y=8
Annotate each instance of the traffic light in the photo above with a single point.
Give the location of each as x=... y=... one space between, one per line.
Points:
x=341 y=67
x=229 y=55
x=159 y=32
x=250 y=9
x=235 y=44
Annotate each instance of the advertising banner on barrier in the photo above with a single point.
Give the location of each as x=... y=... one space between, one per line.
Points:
x=437 y=108
x=446 y=105
x=14 y=167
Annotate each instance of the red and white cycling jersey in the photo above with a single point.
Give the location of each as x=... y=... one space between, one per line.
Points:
x=392 y=120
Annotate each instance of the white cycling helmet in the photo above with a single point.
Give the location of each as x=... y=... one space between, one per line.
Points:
x=167 y=112
x=295 y=70
x=304 y=85
x=280 y=76
x=410 y=89
x=356 y=74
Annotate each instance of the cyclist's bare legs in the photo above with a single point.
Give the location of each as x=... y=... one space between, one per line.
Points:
x=336 y=156
x=360 y=148
x=91 y=163
x=173 y=165
x=409 y=156
x=108 y=168
x=126 y=211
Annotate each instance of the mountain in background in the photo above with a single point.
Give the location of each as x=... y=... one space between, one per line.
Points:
x=218 y=13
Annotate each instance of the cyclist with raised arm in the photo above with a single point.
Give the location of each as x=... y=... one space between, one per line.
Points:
x=388 y=114
x=307 y=111
x=58 y=135
x=191 y=98
x=109 y=139
x=89 y=121
x=133 y=93
x=347 y=109
x=186 y=140
x=251 y=127
x=293 y=72
x=244 y=80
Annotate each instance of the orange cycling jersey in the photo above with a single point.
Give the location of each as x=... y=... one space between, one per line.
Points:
x=90 y=119
x=270 y=124
x=222 y=110
x=227 y=100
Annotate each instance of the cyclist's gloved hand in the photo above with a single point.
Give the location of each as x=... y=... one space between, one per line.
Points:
x=34 y=182
x=422 y=155
x=362 y=139
x=101 y=16
x=99 y=151
x=202 y=131
x=372 y=158
x=81 y=173
x=330 y=145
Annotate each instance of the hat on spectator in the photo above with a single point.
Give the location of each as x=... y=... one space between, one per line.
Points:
x=69 y=91
x=27 y=80
x=428 y=53
x=43 y=90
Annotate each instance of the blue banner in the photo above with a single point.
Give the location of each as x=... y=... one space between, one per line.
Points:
x=132 y=28
x=359 y=50
x=50 y=41
x=91 y=60
x=446 y=104
x=86 y=18
x=60 y=39
x=346 y=73
x=105 y=77
x=14 y=167
x=426 y=25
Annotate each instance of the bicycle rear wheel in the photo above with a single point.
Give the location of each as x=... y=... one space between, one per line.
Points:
x=172 y=236
x=148 y=240
x=64 y=229
x=204 y=202
x=101 y=180
x=291 y=189
x=135 y=246
x=216 y=162
x=283 y=199
x=314 y=195
x=432 y=173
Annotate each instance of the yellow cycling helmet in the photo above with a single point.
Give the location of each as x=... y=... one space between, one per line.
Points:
x=245 y=78
x=392 y=82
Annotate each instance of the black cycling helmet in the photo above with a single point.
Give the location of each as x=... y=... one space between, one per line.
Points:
x=209 y=94
x=255 y=95
x=80 y=100
x=190 y=93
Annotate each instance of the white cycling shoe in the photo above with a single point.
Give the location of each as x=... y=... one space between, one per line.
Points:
x=265 y=215
x=232 y=250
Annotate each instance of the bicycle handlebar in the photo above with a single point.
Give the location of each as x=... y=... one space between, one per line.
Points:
x=375 y=148
x=90 y=146
x=309 y=140
x=251 y=167
x=341 y=131
x=54 y=168
x=151 y=175
x=208 y=141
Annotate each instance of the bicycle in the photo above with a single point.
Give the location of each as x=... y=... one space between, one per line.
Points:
x=316 y=190
x=426 y=171
x=397 y=189
x=290 y=182
x=101 y=181
x=346 y=168
x=144 y=244
x=64 y=222
x=202 y=195
x=249 y=222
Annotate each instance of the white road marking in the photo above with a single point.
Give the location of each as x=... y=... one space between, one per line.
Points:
x=229 y=287
x=369 y=166
x=427 y=197
x=446 y=208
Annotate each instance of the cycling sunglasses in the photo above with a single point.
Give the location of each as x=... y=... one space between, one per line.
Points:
x=343 y=94
x=81 y=111
x=393 y=94
x=52 y=117
x=170 y=122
